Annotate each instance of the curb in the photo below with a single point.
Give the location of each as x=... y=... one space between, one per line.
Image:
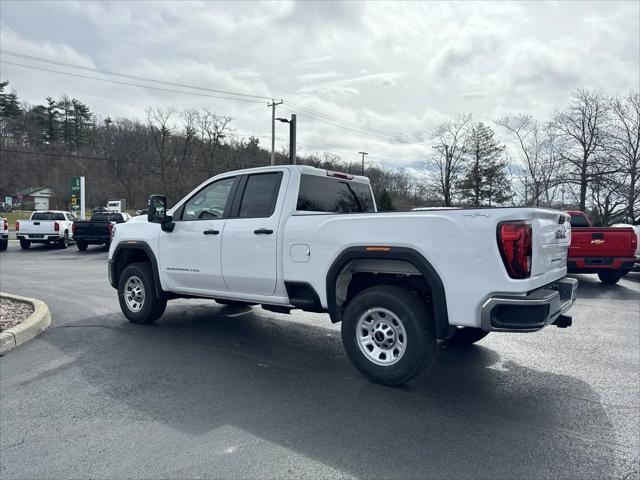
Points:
x=36 y=323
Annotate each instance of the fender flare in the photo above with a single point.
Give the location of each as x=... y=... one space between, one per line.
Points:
x=409 y=255
x=135 y=245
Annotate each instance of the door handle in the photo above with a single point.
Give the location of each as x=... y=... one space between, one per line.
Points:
x=211 y=232
x=263 y=231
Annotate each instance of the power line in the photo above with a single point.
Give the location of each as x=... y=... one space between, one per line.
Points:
x=145 y=79
x=355 y=125
x=70 y=74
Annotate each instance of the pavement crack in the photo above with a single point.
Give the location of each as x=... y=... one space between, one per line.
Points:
x=17 y=444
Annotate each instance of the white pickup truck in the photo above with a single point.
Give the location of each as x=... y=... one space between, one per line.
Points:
x=4 y=233
x=297 y=237
x=46 y=226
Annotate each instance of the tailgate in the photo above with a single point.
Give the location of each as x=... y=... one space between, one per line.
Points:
x=602 y=242
x=96 y=229
x=551 y=239
x=36 y=226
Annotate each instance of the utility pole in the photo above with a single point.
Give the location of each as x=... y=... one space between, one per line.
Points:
x=273 y=105
x=363 y=154
x=292 y=137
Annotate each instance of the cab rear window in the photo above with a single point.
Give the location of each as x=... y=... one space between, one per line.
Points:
x=333 y=195
x=47 y=216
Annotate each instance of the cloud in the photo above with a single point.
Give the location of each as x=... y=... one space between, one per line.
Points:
x=395 y=67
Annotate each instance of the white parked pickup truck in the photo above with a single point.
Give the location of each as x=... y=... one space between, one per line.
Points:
x=50 y=226
x=4 y=233
x=297 y=237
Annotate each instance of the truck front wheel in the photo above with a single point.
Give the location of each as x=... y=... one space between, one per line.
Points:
x=137 y=295
x=388 y=334
x=610 y=277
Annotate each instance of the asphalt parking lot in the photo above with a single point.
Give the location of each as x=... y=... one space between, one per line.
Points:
x=212 y=391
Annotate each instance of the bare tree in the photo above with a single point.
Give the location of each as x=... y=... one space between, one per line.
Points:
x=161 y=128
x=625 y=145
x=581 y=129
x=213 y=130
x=447 y=161
x=538 y=152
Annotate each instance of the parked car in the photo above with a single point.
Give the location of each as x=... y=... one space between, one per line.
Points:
x=143 y=211
x=5 y=207
x=608 y=252
x=99 y=210
x=297 y=237
x=4 y=233
x=96 y=231
x=47 y=226
x=636 y=228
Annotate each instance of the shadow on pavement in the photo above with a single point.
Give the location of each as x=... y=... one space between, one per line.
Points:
x=470 y=416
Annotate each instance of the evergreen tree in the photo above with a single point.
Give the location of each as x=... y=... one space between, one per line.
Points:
x=9 y=104
x=384 y=202
x=485 y=181
x=53 y=129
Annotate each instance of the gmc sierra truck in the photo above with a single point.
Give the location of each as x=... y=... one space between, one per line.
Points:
x=50 y=226
x=609 y=252
x=297 y=237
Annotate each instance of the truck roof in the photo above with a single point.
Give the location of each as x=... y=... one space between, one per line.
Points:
x=306 y=169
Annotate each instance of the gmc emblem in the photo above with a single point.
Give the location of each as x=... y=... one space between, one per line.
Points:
x=561 y=233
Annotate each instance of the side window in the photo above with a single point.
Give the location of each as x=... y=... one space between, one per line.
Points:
x=260 y=195
x=323 y=194
x=210 y=202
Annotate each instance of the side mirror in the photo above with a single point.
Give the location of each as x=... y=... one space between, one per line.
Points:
x=158 y=212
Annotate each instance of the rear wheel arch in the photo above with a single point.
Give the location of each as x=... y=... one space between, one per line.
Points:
x=410 y=264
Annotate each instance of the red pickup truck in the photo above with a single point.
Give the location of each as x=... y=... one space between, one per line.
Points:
x=609 y=252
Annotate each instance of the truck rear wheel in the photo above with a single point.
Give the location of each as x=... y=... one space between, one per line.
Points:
x=465 y=336
x=137 y=295
x=3 y=244
x=610 y=277
x=25 y=244
x=64 y=242
x=82 y=246
x=388 y=334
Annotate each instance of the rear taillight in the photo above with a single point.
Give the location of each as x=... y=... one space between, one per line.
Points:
x=56 y=227
x=17 y=226
x=73 y=228
x=515 y=243
x=6 y=224
x=634 y=242
x=110 y=228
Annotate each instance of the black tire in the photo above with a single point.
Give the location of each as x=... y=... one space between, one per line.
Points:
x=64 y=243
x=25 y=244
x=420 y=343
x=234 y=303
x=3 y=244
x=610 y=277
x=152 y=307
x=82 y=246
x=465 y=336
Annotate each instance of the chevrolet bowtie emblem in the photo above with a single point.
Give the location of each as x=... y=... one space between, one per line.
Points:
x=597 y=242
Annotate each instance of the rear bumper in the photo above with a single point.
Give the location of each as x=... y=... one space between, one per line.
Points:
x=92 y=239
x=531 y=312
x=595 y=264
x=39 y=238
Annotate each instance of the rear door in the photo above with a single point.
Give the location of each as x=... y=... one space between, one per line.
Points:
x=249 y=242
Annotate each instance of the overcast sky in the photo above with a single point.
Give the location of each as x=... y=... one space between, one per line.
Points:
x=397 y=67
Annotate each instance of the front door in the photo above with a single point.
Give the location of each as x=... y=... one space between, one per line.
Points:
x=249 y=243
x=190 y=254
